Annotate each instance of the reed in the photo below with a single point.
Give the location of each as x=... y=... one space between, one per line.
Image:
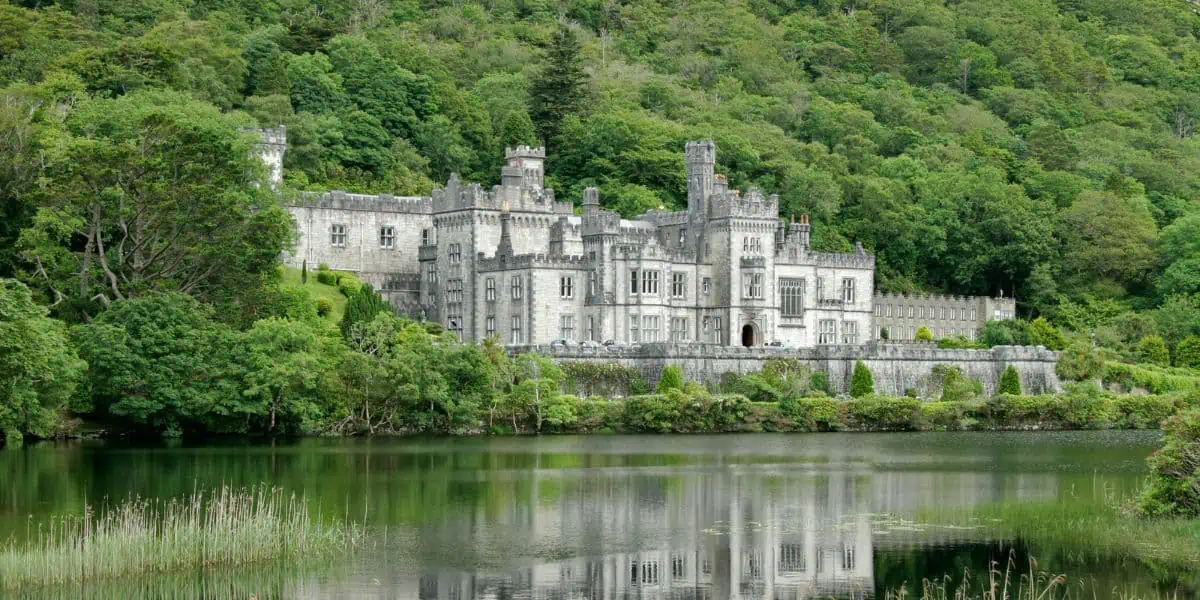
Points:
x=224 y=528
x=1014 y=584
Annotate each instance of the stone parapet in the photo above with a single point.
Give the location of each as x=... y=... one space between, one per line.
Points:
x=382 y=203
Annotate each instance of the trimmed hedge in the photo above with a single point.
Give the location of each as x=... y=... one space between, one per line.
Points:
x=1156 y=380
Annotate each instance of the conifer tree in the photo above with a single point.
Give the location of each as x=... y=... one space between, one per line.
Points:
x=304 y=273
x=1010 y=382
x=671 y=379
x=559 y=89
x=924 y=334
x=362 y=307
x=861 y=382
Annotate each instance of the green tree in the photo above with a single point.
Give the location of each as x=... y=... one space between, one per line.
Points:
x=670 y=379
x=1152 y=349
x=560 y=89
x=1079 y=362
x=119 y=217
x=861 y=381
x=304 y=273
x=1042 y=333
x=162 y=365
x=362 y=307
x=287 y=363
x=1010 y=382
x=924 y=334
x=39 y=369
x=1173 y=488
x=1187 y=353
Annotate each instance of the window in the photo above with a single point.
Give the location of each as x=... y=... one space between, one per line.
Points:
x=590 y=334
x=792 y=558
x=678 y=567
x=827 y=332
x=592 y=283
x=516 y=287
x=849 y=332
x=566 y=327
x=644 y=572
x=943 y=312
x=847 y=558
x=491 y=325
x=650 y=282
x=516 y=329
x=753 y=285
x=454 y=290
x=635 y=328
x=718 y=331
x=455 y=323
x=879 y=310
x=679 y=329
x=649 y=328
x=490 y=289
x=387 y=237
x=791 y=297
x=678 y=285
x=887 y=310
x=745 y=243
x=454 y=253
x=431 y=273
x=425 y=237
x=566 y=286
x=820 y=289
x=912 y=311
x=707 y=285
x=682 y=235
x=962 y=314
x=337 y=235
x=633 y=281
x=848 y=290
x=972 y=314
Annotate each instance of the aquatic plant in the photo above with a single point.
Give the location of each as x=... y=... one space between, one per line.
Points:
x=225 y=528
x=1009 y=584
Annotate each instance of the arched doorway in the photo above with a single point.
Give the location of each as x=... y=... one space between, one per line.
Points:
x=747 y=335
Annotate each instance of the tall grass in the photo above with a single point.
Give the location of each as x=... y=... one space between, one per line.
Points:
x=1012 y=584
x=227 y=527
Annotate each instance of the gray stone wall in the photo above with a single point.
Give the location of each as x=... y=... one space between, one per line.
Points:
x=896 y=367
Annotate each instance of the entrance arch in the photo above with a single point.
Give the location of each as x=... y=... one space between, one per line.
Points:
x=747 y=335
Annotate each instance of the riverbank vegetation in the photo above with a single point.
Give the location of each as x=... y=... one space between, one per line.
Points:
x=1044 y=149
x=227 y=528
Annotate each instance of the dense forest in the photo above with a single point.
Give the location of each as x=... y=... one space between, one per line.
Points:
x=1046 y=149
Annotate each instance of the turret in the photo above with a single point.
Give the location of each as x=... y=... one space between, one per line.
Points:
x=701 y=157
x=524 y=166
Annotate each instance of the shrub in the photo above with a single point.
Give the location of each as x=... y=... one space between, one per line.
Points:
x=861 y=382
x=956 y=386
x=1141 y=411
x=958 y=343
x=1187 y=353
x=883 y=334
x=326 y=278
x=1083 y=406
x=882 y=412
x=652 y=412
x=322 y=267
x=1078 y=362
x=1042 y=333
x=671 y=379
x=1152 y=349
x=924 y=334
x=1173 y=488
x=1010 y=382
x=1005 y=333
x=943 y=416
x=362 y=307
x=348 y=285
x=812 y=414
x=324 y=307
x=819 y=382
x=1010 y=411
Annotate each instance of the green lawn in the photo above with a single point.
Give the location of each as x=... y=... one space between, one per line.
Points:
x=318 y=290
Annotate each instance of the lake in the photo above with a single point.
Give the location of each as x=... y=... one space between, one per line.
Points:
x=725 y=516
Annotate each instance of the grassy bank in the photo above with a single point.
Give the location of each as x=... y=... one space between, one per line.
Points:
x=319 y=291
x=1084 y=530
x=1012 y=582
x=137 y=537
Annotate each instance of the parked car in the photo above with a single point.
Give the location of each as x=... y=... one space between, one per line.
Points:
x=610 y=342
x=561 y=344
x=775 y=344
x=590 y=344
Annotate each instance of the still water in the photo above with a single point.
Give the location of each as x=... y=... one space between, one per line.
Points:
x=612 y=517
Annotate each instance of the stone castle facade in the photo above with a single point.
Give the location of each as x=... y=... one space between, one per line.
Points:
x=516 y=264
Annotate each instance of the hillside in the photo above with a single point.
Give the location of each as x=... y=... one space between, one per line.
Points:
x=1042 y=148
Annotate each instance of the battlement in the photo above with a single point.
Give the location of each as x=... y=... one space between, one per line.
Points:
x=663 y=218
x=902 y=298
x=384 y=203
x=753 y=206
x=525 y=152
x=599 y=221
x=273 y=136
x=840 y=259
x=533 y=261
x=700 y=151
x=754 y=262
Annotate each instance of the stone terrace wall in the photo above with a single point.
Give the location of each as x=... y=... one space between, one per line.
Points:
x=896 y=367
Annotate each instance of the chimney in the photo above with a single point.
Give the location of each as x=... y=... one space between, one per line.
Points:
x=803 y=229
x=505 y=248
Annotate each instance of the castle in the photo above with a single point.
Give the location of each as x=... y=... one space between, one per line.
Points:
x=516 y=264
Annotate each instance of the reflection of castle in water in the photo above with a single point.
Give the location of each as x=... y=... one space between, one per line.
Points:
x=710 y=535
